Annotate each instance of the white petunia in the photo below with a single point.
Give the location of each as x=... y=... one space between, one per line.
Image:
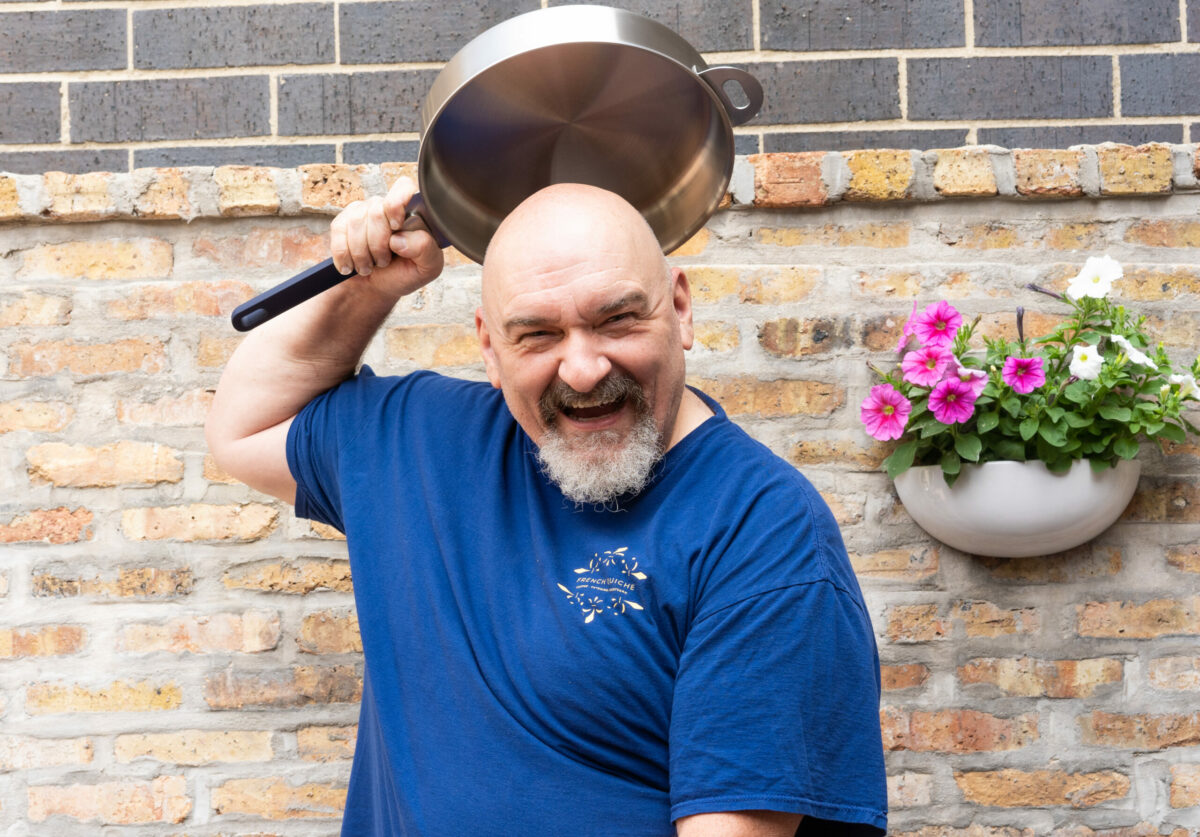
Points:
x=1096 y=278
x=1187 y=385
x=1086 y=362
x=1131 y=352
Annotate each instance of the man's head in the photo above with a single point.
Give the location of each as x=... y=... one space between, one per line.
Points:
x=583 y=327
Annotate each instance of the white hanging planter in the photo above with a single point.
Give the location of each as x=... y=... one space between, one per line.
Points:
x=1017 y=509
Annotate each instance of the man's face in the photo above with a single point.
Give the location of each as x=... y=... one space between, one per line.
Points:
x=585 y=339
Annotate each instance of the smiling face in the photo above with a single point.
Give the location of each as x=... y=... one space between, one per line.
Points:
x=583 y=327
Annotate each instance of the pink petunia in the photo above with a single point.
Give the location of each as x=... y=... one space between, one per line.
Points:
x=937 y=324
x=952 y=401
x=924 y=366
x=885 y=412
x=1023 y=374
x=976 y=379
x=907 y=332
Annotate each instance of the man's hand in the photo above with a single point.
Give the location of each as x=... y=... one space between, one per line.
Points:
x=739 y=824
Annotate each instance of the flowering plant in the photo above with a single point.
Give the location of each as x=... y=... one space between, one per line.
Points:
x=1091 y=389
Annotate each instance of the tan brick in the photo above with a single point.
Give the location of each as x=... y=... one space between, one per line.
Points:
x=204 y=299
x=1045 y=173
x=52 y=357
x=1041 y=788
x=956 y=731
x=794 y=337
x=328 y=187
x=1180 y=674
x=142 y=696
x=77 y=197
x=984 y=619
x=293 y=248
x=916 y=623
x=10 y=200
x=213 y=472
x=973 y=830
x=128 y=583
x=35 y=416
x=1141 y=732
x=330 y=632
x=1155 y=282
x=297 y=686
x=22 y=752
x=246 y=190
x=325 y=532
x=1166 y=501
x=250 y=632
x=121 y=259
x=1185 y=785
x=275 y=799
x=1144 y=170
x=34 y=309
x=433 y=345
x=875 y=235
x=899 y=677
x=694 y=246
x=200 y=522
x=1185 y=558
x=846 y=510
x=1027 y=677
x=859 y=455
x=1083 y=562
x=214 y=352
x=905 y=284
x=1142 y=829
x=120 y=463
x=195 y=747
x=60 y=525
x=130 y=802
x=187 y=410
x=991 y=235
x=746 y=396
x=964 y=172
x=881 y=334
x=883 y=175
x=789 y=179
x=1004 y=326
x=716 y=336
x=1164 y=233
x=326 y=743
x=164 y=197
x=1133 y=620
x=909 y=790
x=45 y=641
x=756 y=285
x=1079 y=235
x=904 y=564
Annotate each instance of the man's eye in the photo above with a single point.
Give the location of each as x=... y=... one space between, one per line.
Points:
x=616 y=318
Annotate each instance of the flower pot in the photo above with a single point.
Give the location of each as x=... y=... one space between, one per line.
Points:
x=1017 y=509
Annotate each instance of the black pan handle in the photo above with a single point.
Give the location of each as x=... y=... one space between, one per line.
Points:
x=318 y=278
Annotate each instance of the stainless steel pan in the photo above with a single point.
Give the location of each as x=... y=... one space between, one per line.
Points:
x=579 y=94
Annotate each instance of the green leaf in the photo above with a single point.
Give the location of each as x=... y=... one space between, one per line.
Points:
x=986 y=422
x=1009 y=449
x=950 y=463
x=1126 y=447
x=1053 y=434
x=1056 y=414
x=1028 y=428
x=934 y=428
x=968 y=447
x=1115 y=413
x=1012 y=405
x=901 y=459
x=1099 y=465
x=1174 y=433
x=1076 y=420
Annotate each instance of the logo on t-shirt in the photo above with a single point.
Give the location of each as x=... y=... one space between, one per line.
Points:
x=608 y=584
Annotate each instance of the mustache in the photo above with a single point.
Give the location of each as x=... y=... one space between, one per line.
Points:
x=614 y=386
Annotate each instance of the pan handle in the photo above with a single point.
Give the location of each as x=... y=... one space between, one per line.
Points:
x=318 y=278
x=718 y=77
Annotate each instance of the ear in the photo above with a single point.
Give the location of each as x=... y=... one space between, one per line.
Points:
x=681 y=291
x=487 y=349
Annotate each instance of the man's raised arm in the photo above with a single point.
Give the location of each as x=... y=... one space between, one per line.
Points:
x=286 y=362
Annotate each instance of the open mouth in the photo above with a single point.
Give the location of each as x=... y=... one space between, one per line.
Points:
x=593 y=412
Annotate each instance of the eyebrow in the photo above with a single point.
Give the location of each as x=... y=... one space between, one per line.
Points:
x=634 y=299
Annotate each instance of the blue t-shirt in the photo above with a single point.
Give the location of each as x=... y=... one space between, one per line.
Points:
x=536 y=668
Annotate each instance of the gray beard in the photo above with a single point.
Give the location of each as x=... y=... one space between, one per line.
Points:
x=599 y=469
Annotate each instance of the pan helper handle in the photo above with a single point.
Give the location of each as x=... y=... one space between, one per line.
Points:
x=318 y=278
x=718 y=77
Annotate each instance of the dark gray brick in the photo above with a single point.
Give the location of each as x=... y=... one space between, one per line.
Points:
x=80 y=39
x=1029 y=87
x=282 y=156
x=418 y=30
x=746 y=144
x=233 y=36
x=170 y=108
x=846 y=90
x=707 y=26
x=1160 y=85
x=1075 y=22
x=861 y=24
x=855 y=140
x=384 y=102
x=30 y=111
x=357 y=153
x=72 y=162
x=1067 y=135
x=1193 y=19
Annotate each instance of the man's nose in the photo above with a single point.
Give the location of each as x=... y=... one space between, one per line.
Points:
x=582 y=365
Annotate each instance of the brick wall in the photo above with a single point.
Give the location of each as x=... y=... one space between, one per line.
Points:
x=180 y=655
x=121 y=85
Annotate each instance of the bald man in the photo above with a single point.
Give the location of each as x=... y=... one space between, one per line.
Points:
x=589 y=603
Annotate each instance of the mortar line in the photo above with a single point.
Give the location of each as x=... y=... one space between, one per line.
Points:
x=902 y=81
x=1116 y=86
x=1183 y=32
x=756 y=24
x=969 y=25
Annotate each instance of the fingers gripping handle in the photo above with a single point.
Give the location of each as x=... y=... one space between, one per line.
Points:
x=316 y=279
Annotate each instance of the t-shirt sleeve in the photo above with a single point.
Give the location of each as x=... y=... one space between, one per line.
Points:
x=776 y=707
